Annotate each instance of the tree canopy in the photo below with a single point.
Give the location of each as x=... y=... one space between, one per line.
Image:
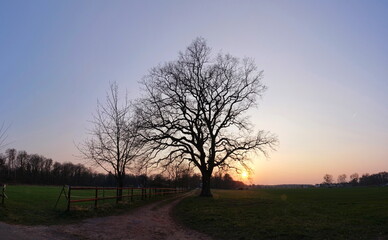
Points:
x=194 y=109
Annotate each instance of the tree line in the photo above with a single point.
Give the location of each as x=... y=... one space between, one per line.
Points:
x=366 y=179
x=19 y=167
x=24 y=168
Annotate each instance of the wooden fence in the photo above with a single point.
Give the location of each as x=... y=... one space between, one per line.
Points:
x=102 y=193
x=2 y=193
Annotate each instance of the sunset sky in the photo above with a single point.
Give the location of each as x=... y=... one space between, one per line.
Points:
x=325 y=64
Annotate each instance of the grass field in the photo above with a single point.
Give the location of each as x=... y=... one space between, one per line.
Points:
x=33 y=205
x=324 y=213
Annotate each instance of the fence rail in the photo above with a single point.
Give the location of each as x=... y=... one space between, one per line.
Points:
x=128 y=193
x=2 y=193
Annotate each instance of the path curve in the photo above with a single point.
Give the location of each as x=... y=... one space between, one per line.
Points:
x=153 y=221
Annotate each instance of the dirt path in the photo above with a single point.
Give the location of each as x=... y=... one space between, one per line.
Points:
x=153 y=221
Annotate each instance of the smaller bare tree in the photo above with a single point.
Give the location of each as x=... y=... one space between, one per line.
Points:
x=354 y=178
x=341 y=178
x=114 y=144
x=176 y=171
x=11 y=156
x=328 y=179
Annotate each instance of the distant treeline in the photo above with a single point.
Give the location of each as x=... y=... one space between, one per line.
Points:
x=225 y=181
x=19 y=167
x=366 y=179
x=373 y=179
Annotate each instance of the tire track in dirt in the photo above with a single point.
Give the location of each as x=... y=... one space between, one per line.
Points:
x=153 y=221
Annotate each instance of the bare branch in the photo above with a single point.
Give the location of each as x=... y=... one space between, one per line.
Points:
x=195 y=109
x=115 y=143
x=3 y=135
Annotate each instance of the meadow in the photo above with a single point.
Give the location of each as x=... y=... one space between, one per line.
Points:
x=35 y=205
x=316 y=213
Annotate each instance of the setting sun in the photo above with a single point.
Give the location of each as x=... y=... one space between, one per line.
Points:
x=244 y=175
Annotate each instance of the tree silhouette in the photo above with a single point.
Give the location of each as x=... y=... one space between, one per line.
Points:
x=354 y=178
x=194 y=110
x=114 y=144
x=341 y=178
x=328 y=179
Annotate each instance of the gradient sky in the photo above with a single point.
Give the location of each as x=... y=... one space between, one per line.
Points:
x=325 y=64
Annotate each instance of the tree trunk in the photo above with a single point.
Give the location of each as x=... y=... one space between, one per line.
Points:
x=119 y=192
x=206 y=185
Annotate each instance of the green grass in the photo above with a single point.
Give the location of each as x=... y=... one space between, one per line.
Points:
x=324 y=213
x=34 y=205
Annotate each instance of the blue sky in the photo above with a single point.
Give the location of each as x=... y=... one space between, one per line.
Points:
x=325 y=64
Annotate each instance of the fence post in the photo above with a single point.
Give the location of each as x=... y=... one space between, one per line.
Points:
x=117 y=194
x=68 y=199
x=2 y=194
x=95 y=201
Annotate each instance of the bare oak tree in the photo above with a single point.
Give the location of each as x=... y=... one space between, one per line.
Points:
x=114 y=144
x=194 y=110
